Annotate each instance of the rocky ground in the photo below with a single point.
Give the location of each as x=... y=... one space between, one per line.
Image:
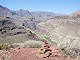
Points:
x=30 y=54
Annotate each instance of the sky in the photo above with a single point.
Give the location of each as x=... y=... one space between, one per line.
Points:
x=56 y=6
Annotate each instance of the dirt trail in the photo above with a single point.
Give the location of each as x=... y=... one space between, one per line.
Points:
x=30 y=54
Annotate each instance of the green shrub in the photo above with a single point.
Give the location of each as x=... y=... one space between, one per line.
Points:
x=33 y=44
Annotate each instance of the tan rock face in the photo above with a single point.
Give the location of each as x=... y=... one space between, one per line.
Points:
x=63 y=31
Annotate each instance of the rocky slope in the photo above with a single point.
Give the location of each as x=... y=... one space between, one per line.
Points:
x=75 y=14
x=65 y=30
x=11 y=33
x=58 y=28
x=22 y=15
x=25 y=13
x=4 y=11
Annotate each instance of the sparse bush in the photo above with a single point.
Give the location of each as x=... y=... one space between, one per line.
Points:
x=11 y=45
x=50 y=41
x=1 y=46
x=71 y=48
x=33 y=44
x=6 y=46
x=21 y=27
x=18 y=45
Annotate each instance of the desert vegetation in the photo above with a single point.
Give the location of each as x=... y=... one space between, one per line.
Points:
x=33 y=44
x=25 y=29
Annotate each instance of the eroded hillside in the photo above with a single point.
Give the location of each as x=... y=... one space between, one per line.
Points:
x=65 y=30
x=11 y=33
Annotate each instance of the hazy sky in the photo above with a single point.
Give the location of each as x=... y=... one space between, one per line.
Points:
x=56 y=6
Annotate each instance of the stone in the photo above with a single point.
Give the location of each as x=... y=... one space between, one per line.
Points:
x=47 y=54
x=45 y=51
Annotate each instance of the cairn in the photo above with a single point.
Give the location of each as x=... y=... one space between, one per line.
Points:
x=45 y=51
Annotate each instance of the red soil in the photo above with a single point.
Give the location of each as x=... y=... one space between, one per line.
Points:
x=30 y=54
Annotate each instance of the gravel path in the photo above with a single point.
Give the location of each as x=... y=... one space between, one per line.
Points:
x=30 y=54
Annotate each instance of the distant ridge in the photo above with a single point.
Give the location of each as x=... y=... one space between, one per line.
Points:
x=75 y=14
x=4 y=11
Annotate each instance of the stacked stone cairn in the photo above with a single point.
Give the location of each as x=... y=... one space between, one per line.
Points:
x=45 y=51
